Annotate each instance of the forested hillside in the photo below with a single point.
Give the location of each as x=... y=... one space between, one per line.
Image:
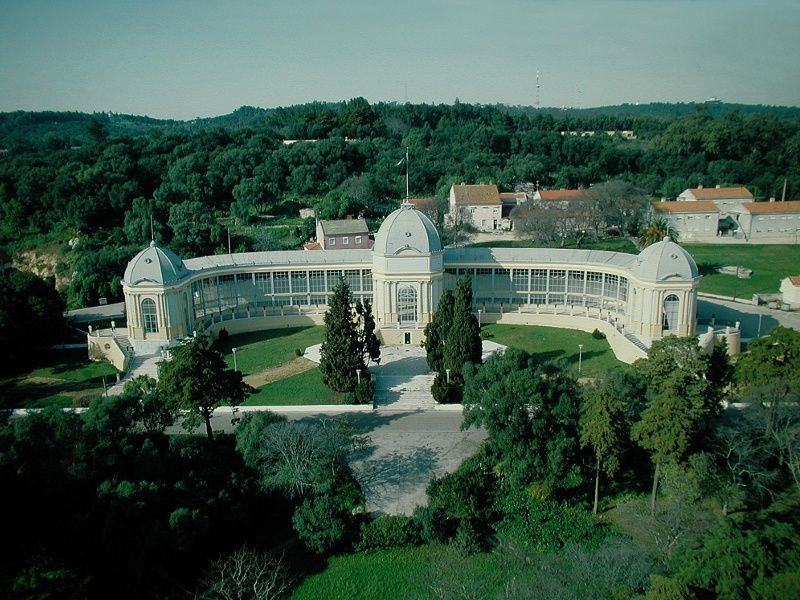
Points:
x=99 y=179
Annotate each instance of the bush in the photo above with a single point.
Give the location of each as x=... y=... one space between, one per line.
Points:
x=543 y=526
x=298 y=352
x=387 y=532
x=223 y=335
x=363 y=392
x=467 y=540
x=444 y=393
x=486 y=334
x=433 y=524
x=598 y=335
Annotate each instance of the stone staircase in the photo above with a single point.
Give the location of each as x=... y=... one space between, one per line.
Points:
x=636 y=342
x=142 y=364
x=403 y=392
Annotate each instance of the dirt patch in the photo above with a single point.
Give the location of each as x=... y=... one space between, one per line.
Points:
x=298 y=365
x=45 y=262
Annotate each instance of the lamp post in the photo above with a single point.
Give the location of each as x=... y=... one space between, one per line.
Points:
x=235 y=367
x=358 y=376
x=580 y=359
x=759 y=324
x=448 y=375
x=480 y=310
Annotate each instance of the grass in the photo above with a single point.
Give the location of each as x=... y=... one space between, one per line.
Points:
x=399 y=573
x=770 y=263
x=548 y=343
x=261 y=350
x=303 y=388
x=61 y=378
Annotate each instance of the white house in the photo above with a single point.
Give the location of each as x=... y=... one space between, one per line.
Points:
x=790 y=289
x=476 y=205
x=696 y=221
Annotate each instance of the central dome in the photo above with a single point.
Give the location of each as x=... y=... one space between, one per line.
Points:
x=155 y=265
x=407 y=229
x=665 y=260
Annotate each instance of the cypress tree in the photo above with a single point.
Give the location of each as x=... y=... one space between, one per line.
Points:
x=341 y=353
x=436 y=330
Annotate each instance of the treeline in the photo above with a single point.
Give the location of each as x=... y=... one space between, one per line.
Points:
x=107 y=190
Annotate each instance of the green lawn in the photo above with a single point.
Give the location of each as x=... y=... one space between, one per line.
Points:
x=770 y=263
x=57 y=378
x=547 y=343
x=260 y=350
x=303 y=388
x=402 y=573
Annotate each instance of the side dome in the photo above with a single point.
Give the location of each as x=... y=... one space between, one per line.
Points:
x=155 y=265
x=665 y=260
x=407 y=229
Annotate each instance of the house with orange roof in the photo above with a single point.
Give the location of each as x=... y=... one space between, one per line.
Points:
x=562 y=195
x=769 y=222
x=482 y=206
x=696 y=221
x=790 y=289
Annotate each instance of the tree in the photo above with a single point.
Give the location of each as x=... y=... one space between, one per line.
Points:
x=774 y=356
x=197 y=381
x=656 y=230
x=246 y=574
x=462 y=343
x=436 y=332
x=681 y=401
x=349 y=342
x=195 y=231
x=31 y=314
x=604 y=428
x=531 y=413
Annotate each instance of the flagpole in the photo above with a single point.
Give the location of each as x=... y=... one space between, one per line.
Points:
x=407 y=195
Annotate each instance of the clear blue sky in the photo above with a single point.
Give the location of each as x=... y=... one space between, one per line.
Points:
x=184 y=59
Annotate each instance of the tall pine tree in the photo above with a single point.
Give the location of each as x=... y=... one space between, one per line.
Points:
x=341 y=354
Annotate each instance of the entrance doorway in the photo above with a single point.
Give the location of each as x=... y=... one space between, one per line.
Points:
x=671 y=312
x=407 y=338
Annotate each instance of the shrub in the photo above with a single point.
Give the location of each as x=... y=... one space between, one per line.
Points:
x=298 y=352
x=433 y=524
x=364 y=391
x=598 y=335
x=387 y=532
x=486 y=334
x=544 y=526
x=467 y=541
x=444 y=393
x=223 y=335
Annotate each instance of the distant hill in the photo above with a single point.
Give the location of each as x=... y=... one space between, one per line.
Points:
x=23 y=129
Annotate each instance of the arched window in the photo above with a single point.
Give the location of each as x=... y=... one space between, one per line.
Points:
x=407 y=305
x=671 y=312
x=149 y=316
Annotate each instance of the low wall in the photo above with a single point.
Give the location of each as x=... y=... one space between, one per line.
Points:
x=235 y=326
x=623 y=348
x=106 y=347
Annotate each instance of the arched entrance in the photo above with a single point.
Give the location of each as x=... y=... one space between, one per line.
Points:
x=407 y=305
x=671 y=313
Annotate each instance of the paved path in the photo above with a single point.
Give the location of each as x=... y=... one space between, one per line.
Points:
x=405 y=449
x=728 y=312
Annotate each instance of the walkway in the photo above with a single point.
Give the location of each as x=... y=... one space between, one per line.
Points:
x=142 y=364
x=403 y=380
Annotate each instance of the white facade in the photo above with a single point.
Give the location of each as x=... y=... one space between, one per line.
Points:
x=790 y=291
x=647 y=295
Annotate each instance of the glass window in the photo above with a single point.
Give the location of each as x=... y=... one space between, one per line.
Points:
x=407 y=304
x=520 y=280
x=299 y=282
x=316 y=280
x=331 y=241
x=671 y=312
x=576 y=281
x=366 y=278
x=264 y=283
x=149 y=316
x=594 y=283
x=558 y=280
x=345 y=241
x=280 y=281
x=539 y=280
x=353 y=279
x=358 y=239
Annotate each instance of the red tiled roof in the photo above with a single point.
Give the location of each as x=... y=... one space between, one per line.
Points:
x=717 y=193
x=476 y=195
x=786 y=206
x=700 y=206
x=562 y=194
x=512 y=196
x=312 y=246
x=795 y=279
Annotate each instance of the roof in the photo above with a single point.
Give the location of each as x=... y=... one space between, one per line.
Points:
x=665 y=260
x=561 y=194
x=155 y=265
x=700 y=206
x=553 y=256
x=475 y=195
x=344 y=226
x=407 y=229
x=287 y=258
x=420 y=203
x=717 y=193
x=312 y=246
x=513 y=196
x=786 y=206
x=794 y=279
